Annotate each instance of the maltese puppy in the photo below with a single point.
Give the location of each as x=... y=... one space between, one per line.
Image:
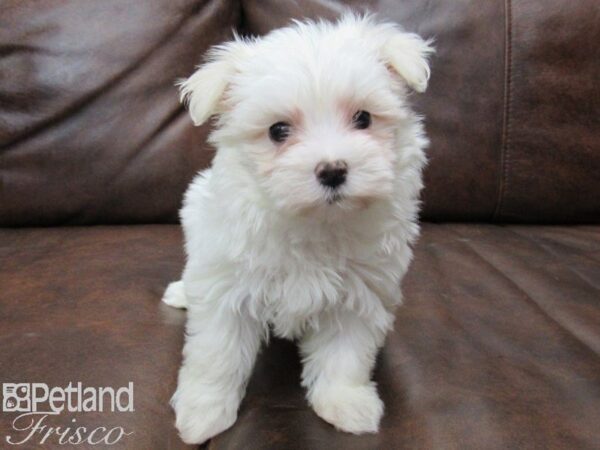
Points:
x=303 y=225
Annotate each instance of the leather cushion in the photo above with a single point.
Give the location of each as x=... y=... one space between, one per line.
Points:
x=496 y=346
x=91 y=129
x=82 y=305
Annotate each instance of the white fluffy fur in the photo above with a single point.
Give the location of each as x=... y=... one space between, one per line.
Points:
x=268 y=248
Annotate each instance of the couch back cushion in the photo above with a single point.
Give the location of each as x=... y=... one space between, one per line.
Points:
x=91 y=130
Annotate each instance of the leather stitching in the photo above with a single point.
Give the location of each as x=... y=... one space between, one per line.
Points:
x=506 y=119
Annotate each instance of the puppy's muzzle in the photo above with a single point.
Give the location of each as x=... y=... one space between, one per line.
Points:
x=332 y=174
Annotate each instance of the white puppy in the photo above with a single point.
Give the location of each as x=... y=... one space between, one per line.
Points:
x=303 y=225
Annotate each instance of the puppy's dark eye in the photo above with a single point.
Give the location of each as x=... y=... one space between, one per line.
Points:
x=279 y=132
x=361 y=120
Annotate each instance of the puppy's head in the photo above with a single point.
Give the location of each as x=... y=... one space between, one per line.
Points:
x=313 y=111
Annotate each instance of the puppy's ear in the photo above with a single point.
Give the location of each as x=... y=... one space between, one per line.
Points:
x=406 y=54
x=203 y=92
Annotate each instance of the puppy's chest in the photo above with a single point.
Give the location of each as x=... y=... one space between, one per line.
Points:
x=290 y=290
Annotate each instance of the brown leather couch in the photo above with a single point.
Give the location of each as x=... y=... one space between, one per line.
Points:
x=498 y=344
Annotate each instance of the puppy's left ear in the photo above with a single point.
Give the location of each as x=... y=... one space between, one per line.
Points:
x=204 y=91
x=407 y=55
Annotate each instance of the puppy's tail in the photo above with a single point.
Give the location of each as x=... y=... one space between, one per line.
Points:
x=175 y=295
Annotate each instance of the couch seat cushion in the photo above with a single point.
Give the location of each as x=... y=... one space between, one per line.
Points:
x=497 y=345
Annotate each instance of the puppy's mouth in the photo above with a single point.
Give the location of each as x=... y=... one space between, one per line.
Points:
x=334 y=197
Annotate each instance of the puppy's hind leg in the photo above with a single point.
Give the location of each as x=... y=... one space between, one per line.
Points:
x=175 y=295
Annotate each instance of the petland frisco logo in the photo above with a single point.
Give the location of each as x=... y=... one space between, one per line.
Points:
x=35 y=402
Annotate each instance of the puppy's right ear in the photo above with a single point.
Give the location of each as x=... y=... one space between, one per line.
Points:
x=203 y=92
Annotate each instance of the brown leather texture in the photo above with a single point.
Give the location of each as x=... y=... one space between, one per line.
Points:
x=83 y=304
x=551 y=153
x=496 y=346
x=91 y=130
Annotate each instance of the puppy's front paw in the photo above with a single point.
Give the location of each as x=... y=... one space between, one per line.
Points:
x=200 y=417
x=354 y=409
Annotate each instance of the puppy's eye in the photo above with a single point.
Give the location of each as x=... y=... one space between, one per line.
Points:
x=279 y=132
x=361 y=120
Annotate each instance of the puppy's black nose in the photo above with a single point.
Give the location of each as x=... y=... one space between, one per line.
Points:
x=331 y=174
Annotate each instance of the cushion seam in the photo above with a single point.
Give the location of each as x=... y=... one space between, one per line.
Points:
x=506 y=117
